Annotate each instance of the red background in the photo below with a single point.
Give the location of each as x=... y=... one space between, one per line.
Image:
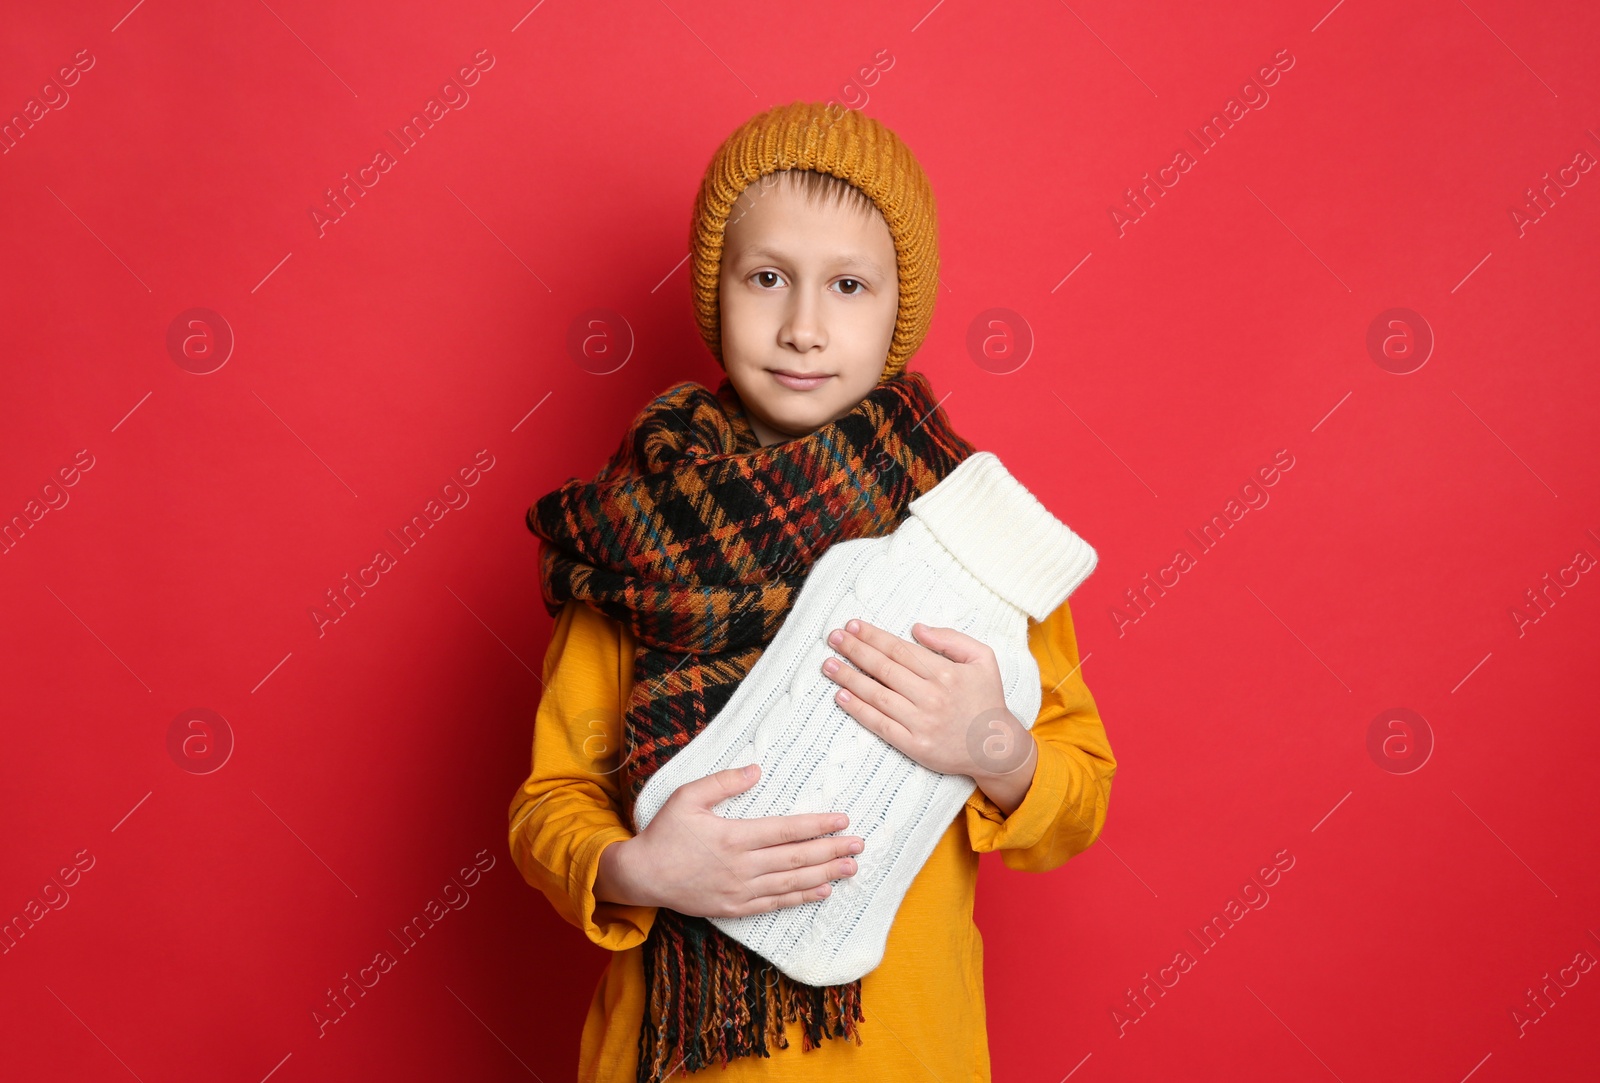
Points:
x=375 y=358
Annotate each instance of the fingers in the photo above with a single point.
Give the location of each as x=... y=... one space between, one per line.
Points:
x=801 y=873
x=950 y=643
x=750 y=866
x=885 y=682
x=798 y=855
x=708 y=790
x=760 y=831
x=879 y=652
x=860 y=705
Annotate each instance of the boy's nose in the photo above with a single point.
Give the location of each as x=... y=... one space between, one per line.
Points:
x=803 y=329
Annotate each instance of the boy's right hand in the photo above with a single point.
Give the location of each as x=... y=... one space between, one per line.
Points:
x=705 y=865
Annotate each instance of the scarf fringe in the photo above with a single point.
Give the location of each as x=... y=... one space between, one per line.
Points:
x=740 y=1002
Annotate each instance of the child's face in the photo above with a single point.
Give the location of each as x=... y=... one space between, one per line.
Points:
x=805 y=289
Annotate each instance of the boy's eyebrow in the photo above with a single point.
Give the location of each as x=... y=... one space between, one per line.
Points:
x=772 y=253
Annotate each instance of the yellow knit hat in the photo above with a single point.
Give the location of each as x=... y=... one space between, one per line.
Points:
x=847 y=144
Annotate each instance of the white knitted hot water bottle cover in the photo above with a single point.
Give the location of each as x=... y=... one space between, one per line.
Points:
x=978 y=553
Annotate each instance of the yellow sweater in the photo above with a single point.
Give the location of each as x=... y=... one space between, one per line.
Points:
x=923 y=1005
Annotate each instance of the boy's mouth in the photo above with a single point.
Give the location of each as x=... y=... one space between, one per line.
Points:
x=798 y=381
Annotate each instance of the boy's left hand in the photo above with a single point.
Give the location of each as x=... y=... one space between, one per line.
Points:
x=939 y=699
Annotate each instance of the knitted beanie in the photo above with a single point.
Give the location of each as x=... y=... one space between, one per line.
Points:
x=978 y=553
x=847 y=144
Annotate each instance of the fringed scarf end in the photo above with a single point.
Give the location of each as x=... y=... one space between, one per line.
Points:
x=707 y=1005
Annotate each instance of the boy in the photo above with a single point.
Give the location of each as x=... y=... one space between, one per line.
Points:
x=815 y=270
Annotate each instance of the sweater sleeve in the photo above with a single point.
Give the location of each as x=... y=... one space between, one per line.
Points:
x=570 y=809
x=1065 y=806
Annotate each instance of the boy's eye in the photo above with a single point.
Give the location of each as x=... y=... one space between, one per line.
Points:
x=854 y=282
x=760 y=275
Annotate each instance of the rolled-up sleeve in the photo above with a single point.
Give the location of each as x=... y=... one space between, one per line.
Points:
x=1065 y=806
x=569 y=808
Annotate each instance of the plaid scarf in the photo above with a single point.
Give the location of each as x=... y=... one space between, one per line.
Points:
x=699 y=540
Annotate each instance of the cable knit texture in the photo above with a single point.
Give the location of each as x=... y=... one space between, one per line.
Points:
x=978 y=553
